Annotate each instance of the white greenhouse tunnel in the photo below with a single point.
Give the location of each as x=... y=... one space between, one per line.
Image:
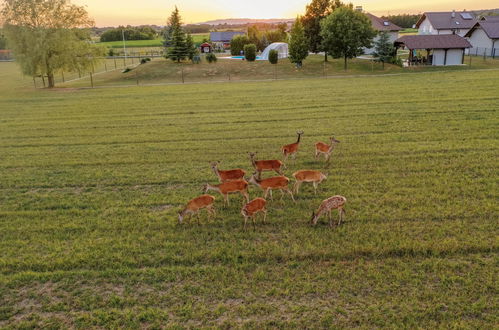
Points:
x=281 y=47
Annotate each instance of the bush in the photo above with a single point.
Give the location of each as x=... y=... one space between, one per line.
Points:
x=126 y=70
x=143 y=61
x=131 y=33
x=250 y=52
x=210 y=57
x=237 y=44
x=110 y=52
x=273 y=56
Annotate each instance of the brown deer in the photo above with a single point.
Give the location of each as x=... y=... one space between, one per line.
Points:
x=196 y=205
x=266 y=165
x=322 y=148
x=315 y=177
x=240 y=186
x=252 y=208
x=292 y=149
x=335 y=202
x=274 y=183
x=228 y=175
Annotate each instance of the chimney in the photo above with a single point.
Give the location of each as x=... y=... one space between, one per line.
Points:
x=453 y=15
x=358 y=8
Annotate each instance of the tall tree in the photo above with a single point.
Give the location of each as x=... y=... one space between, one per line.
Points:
x=190 y=47
x=345 y=32
x=3 y=41
x=298 y=45
x=315 y=12
x=178 y=49
x=383 y=49
x=46 y=36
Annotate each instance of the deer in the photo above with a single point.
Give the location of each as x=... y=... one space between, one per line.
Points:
x=274 y=183
x=301 y=176
x=228 y=175
x=225 y=188
x=252 y=208
x=196 y=205
x=322 y=148
x=266 y=165
x=327 y=205
x=292 y=149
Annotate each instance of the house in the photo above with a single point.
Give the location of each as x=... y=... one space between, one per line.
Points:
x=381 y=25
x=451 y=22
x=205 y=48
x=222 y=39
x=443 y=49
x=484 y=37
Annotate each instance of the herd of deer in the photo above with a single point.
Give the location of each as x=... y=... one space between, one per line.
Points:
x=234 y=181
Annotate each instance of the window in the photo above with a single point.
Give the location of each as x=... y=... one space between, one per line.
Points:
x=466 y=16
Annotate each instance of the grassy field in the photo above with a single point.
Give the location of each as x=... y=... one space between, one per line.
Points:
x=92 y=180
x=198 y=37
x=165 y=71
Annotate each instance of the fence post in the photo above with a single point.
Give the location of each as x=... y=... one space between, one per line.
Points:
x=137 y=77
x=182 y=74
x=79 y=73
x=34 y=81
x=91 y=80
x=124 y=62
x=62 y=74
x=115 y=67
x=105 y=65
x=470 y=61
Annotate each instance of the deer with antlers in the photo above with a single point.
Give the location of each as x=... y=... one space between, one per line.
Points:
x=274 y=183
x=251 y=209
x=226 y=188
x=327 y=206
x=292 y=149
x=265 y=165
x=227 y=175
x=322 y=148
x=196 y=205
x=315 y=177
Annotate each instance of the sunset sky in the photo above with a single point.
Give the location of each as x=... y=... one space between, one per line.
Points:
x=133 y=12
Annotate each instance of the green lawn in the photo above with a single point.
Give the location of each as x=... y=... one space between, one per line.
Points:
x=92 y=180
x=198 y=37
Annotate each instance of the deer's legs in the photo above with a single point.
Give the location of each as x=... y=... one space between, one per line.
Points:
x=291 y=193
x=315 y=187
x=264 y=215
x=296 y=187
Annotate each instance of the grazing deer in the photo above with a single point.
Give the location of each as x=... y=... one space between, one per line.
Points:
x=196 y=205
x=274 y=183
x=292 y=149
x=322 y=148
x=252 y=208
x=266 y=165
x=315 y=177
x=228 y=175
x=240 y=186
x=335 y=202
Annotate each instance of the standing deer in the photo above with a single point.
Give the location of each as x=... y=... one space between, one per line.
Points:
x=196 y=205
x=315 y=177
x=225 y=188
x=322 y=148
x=252 y=208
x=292 y=149
x=266 y=165
x=228 y=175
x=274 y=183
x=335 y=202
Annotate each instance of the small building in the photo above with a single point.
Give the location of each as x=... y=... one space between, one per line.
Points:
x=484 y=37
x=450 y=22
x=205 y=48
x=222 y=39
x=444 y=49
x=382 y=25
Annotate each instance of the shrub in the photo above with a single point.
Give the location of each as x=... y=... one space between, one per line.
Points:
x=237 y=44
x=210 y=57
x=273 y=56
x=126 y=70
x=110 y=52
x=143 y=61
x=250 y=52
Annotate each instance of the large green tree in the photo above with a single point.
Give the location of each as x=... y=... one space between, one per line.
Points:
x=237 y=44
x=298 y=45
x=345 y=32
x=384 y=51
x=315 y=12
x=46 y=36
x=178 y=47
x=190 y=47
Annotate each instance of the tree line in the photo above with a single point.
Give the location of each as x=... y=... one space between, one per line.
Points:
x=130 y=33
x=405 y=21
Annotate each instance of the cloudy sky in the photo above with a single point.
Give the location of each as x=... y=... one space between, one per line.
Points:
x=133 y=12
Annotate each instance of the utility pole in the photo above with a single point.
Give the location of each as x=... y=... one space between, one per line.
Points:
x=124 y=44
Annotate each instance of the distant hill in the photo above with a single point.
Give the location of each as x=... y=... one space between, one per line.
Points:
x=242 y=21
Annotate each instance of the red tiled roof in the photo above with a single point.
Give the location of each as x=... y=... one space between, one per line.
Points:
x=434 y=41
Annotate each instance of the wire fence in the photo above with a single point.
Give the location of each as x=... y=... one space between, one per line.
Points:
x=484 y=51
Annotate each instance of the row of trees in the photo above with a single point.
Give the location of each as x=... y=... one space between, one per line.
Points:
x=130 y=33
x=332 y=27
x=404 y=20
